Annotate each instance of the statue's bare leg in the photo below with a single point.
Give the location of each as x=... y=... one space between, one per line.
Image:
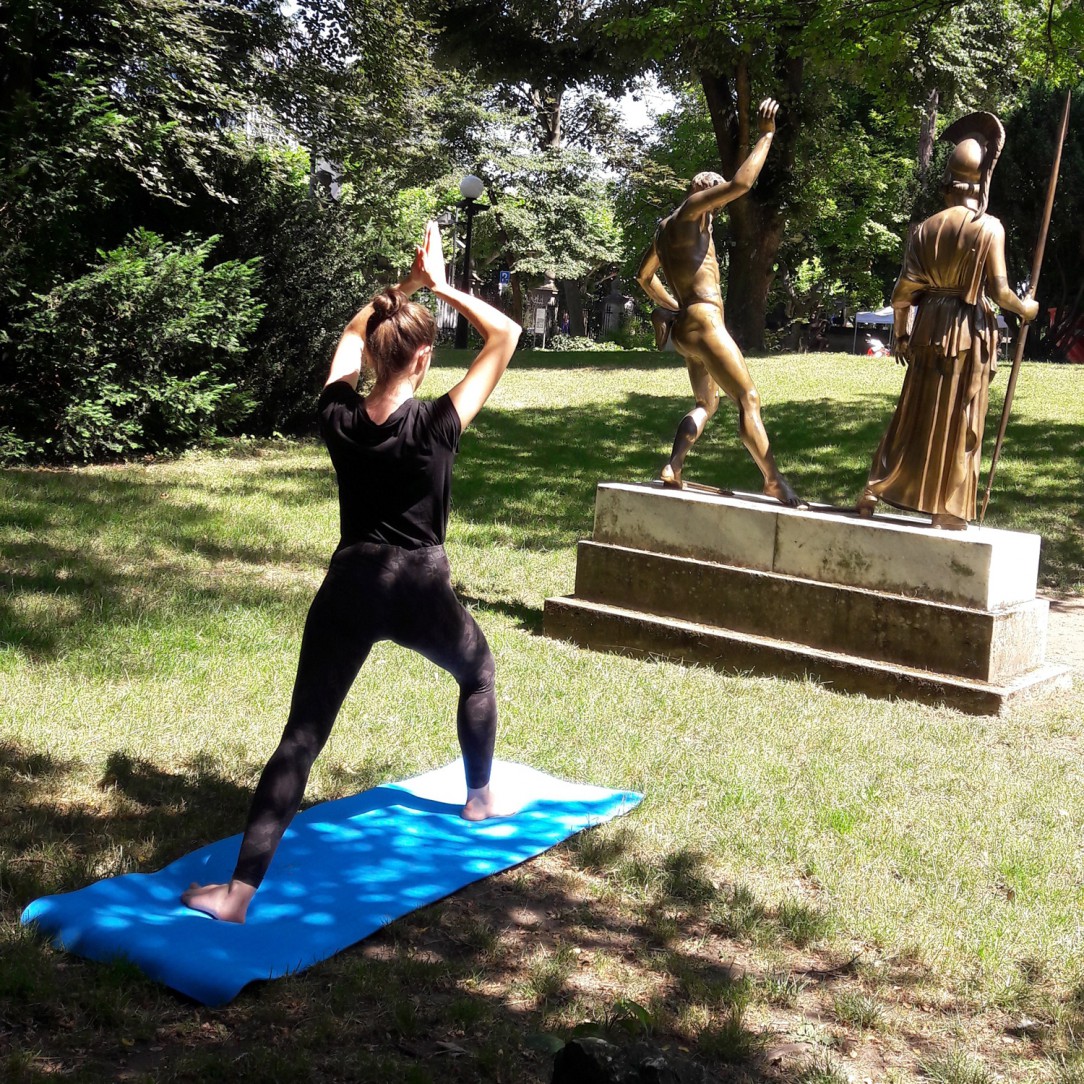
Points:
x=692 y=425
x=701 y=331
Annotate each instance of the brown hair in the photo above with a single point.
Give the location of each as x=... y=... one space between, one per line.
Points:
x=395 y=331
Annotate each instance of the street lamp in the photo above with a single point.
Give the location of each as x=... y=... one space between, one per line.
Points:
x=470 y=188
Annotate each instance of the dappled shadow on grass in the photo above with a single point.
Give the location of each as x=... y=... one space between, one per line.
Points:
x=148 y=815
x=527 y=618
x=480 y=986
x=53 y=523
x=471 y=988
x=528 y=475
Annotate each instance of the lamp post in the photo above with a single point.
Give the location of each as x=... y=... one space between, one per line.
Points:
x=470 y=188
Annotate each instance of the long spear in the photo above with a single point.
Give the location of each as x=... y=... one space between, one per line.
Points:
x=1022 y=334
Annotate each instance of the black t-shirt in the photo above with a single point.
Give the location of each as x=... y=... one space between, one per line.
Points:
x=395 y=479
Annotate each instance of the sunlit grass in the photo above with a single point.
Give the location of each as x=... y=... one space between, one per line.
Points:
x=150 y=617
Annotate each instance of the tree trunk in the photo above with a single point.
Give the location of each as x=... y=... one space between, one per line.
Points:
x=517 y=297
x=752 y=272
x=757 y=220
x=925 y=135
x=547 y=103
x=577 y=323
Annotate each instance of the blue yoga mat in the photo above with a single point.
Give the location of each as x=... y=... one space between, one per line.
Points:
x=344 y=869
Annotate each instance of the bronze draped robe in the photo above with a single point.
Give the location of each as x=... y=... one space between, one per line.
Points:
x=928 y=460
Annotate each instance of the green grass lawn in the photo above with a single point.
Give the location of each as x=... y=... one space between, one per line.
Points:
x=899 y=888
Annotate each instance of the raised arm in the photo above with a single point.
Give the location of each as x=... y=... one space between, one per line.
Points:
x=711 y=199
x=648 y=278
x=346 y=362
x=499 y=333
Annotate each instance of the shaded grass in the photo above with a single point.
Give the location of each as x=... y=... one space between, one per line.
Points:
x=149 y=623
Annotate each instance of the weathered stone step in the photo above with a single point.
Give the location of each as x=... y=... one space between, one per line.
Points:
x=991 y=647
x=603 y=627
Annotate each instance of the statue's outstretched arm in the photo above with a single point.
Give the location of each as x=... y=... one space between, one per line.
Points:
x=711 y=199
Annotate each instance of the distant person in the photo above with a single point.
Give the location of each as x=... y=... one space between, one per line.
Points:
x=684 y=249
x=928 y=460
x=389 y=577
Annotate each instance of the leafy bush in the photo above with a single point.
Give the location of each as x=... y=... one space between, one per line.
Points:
x=634 y=334
x=314 y=275
x=579 y=342
x=133 y=357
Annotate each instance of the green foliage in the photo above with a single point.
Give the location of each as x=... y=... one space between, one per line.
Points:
x=1018 y=193
x=133 y=357
x=107 y=99
x=848 y=208
x=552 y=213
x=1051 y=33
x=116 y=117
x=319 y=261
x=580 y=343
x=536 y=53
x=635 y=333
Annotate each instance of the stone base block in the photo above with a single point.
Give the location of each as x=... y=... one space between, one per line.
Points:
x=980 y=567
x=611 y=628
x=886 y=606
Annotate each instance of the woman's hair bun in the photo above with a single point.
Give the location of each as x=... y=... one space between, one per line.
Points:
x=395 y=331
x=387 y=303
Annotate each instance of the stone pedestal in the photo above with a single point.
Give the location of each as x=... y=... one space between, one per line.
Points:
x=885 y=606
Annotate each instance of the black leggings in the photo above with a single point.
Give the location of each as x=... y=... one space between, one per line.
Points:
x=370 y=593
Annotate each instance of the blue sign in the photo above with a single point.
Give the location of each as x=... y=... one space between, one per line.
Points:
x=506 y=278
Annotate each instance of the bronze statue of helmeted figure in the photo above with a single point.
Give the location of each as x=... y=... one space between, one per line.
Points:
x=928 y=460
x=684 y=250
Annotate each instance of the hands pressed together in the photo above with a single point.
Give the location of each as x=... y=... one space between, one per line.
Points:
x=428 y=267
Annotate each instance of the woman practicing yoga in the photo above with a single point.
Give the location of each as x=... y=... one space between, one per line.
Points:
x=389 y=578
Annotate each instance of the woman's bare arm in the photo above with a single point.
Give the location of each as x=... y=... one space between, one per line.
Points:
x=500 y=334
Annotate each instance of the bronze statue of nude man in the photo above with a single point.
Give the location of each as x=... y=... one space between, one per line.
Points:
x=684 y=250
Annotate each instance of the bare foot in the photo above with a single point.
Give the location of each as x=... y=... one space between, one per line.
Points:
x=229 y=903
x=865 y=504
x=781 y=490
x=483 y=804
x=670 y=477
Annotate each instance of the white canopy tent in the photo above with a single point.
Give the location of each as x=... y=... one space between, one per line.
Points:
x=885 y=317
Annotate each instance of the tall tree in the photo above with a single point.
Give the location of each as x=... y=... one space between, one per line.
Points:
x=1017 y=195
x=102 y=97
x=550 y=65
x=551 y=215
x=788 y=49
x=536 y=52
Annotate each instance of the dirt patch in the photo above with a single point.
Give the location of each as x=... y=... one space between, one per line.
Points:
x=1065 y=634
